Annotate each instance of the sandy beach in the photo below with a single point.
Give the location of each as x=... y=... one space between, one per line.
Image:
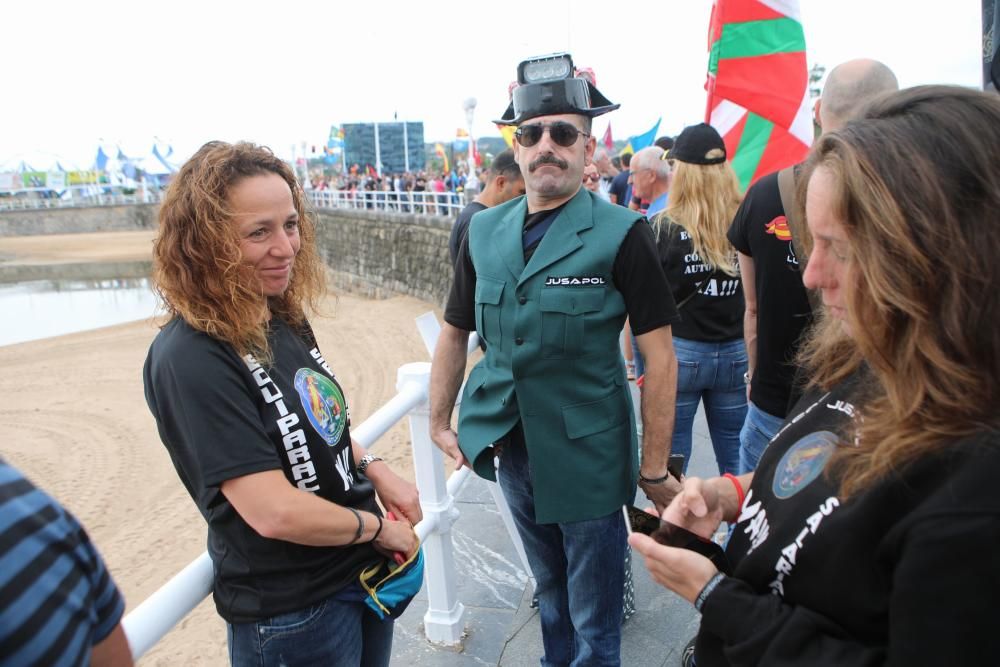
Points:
x=73 y=418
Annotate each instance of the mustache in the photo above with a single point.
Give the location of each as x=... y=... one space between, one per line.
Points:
x=548 y=159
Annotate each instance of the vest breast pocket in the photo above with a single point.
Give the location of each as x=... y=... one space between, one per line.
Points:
x=488 y=293
x=564 y=315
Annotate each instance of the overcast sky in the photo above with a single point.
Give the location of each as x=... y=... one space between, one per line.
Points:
x=76 y=73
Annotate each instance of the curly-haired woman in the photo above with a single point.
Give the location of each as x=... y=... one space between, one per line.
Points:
x=869 y=532
x=255 y=421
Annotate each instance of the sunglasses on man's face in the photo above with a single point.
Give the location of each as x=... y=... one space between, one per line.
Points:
x=563 y=134
x=593 y=178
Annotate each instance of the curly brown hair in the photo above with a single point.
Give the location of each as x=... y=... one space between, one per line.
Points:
x=917 y=186
x=198 y=270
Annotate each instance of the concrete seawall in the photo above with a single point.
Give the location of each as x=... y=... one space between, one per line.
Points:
x=31 y=222
x=372 y=253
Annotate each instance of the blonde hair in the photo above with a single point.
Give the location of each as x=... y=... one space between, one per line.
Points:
x=198 y=270
x=703 y=200
x=919 y=207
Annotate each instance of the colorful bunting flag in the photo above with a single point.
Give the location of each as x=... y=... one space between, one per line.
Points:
x=507 y=132
x=607 y=140
x=758 y=85
x=440 y=151
x=639 y=141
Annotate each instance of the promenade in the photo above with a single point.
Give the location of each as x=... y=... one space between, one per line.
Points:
x=503 y=629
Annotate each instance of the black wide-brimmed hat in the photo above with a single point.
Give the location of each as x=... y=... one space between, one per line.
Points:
x=545 y=97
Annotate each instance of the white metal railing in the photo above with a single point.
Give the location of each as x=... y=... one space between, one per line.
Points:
x=73 y=196
x=402 y=201
x=160 y=612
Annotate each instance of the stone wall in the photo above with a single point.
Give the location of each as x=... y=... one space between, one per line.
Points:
x=379 y=253
x=30 y=222
x=372 y=253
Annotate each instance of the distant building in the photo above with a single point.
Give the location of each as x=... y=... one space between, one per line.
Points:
x=400 y=146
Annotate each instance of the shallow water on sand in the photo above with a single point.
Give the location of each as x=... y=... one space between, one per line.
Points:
x=44 y=308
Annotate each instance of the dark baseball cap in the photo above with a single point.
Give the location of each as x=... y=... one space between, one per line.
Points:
x=695 y=143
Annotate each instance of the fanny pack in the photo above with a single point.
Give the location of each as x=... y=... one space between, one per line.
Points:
x=388 y=588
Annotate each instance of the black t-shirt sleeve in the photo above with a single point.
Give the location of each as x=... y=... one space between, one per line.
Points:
x=750 y=210
x=639 y=276
x=206 y=413
x=460 y=310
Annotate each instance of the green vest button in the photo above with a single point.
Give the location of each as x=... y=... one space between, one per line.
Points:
x=519 y=341
x=522 y=300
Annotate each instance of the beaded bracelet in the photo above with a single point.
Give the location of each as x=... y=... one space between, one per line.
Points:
x=361 y=526
x=699 y=601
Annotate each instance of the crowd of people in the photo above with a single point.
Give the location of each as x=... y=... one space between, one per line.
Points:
x=837 y=322
x=424 y=191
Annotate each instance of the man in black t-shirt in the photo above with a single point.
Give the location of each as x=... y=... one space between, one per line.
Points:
x=777 y=309
x=503 y=183
x=547 y=280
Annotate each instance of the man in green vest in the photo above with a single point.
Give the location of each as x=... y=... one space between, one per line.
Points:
x=547 y=281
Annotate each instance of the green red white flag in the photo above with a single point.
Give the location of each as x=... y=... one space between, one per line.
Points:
x=758 y=85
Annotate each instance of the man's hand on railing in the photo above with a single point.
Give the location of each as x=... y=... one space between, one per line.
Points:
x=397 y=495
x=447 y=441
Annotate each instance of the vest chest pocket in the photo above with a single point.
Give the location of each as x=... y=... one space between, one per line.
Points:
x=564 y=312
x=488 y=293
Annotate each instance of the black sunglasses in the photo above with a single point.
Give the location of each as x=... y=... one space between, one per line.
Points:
x=563 y=134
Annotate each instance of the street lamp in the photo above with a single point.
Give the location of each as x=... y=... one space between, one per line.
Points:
x=471 y=182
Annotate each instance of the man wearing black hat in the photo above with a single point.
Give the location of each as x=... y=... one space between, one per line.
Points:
x=547 y=280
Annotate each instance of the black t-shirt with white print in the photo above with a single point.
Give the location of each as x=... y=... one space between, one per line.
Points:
x=222 y=417
x=710 y=301
x=901 y=573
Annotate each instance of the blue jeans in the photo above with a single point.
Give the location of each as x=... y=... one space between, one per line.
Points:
x=331 y=633
x=579 y=572
x=712 y=373
x=758 y=429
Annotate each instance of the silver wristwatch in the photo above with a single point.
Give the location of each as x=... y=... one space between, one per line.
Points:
x=366 y=460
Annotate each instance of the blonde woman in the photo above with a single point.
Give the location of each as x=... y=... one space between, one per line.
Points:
x=700 y=265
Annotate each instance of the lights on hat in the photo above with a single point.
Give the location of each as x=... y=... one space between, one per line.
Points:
x=545 y=68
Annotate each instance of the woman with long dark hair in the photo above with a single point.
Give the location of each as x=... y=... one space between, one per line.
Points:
x=870 y=530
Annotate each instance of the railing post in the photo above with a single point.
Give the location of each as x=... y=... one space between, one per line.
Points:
x=443 y=621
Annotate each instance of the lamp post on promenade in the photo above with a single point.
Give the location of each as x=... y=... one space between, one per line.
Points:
x=471 y=182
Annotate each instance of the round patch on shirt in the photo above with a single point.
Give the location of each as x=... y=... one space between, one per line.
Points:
x=323 y=403
x=803 y=463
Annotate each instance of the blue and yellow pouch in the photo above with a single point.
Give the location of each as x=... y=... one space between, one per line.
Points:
x=390 y=588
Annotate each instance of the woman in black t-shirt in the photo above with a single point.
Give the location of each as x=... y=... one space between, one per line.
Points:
x=257 y=425
x=700 y=265
x=869 y=533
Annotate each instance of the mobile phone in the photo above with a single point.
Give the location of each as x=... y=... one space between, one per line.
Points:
x=672 y=535
x=675 y=465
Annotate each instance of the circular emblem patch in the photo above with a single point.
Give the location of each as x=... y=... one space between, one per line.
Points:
x=803 y=463
x=323 y=403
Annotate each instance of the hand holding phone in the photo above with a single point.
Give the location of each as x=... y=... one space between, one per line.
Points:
x=672 y=535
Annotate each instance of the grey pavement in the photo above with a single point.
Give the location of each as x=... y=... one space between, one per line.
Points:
x=501 y=628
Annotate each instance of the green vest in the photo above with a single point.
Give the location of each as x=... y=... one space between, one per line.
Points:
x=553 y=360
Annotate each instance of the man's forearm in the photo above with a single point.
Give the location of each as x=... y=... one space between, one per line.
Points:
x=659 y=393
x=447 y=371
x=750 y=338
